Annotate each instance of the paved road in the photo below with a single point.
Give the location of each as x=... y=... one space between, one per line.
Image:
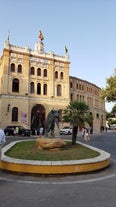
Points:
x=88 y=190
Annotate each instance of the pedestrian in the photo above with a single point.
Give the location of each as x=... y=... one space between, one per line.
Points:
x=106 y=129
x=86 y=135
x=14 y=132
x=35 y=131
x=83 y=132
x=17 y=130
x=41 y=129
x=2 y=140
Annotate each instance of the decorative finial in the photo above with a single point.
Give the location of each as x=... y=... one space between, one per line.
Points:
x=8 y=36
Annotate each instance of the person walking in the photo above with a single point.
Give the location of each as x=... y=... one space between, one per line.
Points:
x=2 y=141
x=41 y=130
x=17 y=130
x=86 y=135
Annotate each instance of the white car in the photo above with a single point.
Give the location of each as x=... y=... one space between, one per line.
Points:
x=66 y=130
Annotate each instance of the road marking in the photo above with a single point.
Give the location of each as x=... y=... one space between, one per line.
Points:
x=59 y=183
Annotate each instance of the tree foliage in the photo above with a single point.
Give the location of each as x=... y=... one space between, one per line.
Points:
x=114 y=110
x=108 y=115
x=77 y=113
x=109 y=93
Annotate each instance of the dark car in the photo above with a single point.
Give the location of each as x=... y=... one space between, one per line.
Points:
x=12 y=130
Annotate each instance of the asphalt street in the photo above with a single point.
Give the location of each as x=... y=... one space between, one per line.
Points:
x=96 y=189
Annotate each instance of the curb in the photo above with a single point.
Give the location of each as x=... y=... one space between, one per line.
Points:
x=54 y=167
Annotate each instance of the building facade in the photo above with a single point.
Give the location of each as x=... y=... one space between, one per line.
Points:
x=82 y=90
x=32 y=82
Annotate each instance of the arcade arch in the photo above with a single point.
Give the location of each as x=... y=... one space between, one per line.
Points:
x=38 y=114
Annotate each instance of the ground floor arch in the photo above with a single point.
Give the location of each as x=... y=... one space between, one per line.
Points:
x=38 y=114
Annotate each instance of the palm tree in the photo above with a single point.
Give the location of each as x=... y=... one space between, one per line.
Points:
x=77 y=114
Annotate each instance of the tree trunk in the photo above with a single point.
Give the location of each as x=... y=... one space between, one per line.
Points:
x=74 y=134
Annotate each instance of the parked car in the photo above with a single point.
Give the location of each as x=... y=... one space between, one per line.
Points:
x=11 y=130
x=112 y=127
x=66 y=130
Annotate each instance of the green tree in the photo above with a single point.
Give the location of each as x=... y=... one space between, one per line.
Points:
x=109 y=93
x=108 y=115
x=111 y=115
x=114 y=110
x=76 y=113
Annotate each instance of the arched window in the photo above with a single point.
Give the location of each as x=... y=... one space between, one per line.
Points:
x=12 y=67
x=45 y=73
x=39 y=72
x=56 y=75
x=39 y=88
x=32 y=71
x=61 y=75
x=19 y=68
x=77 y=97
x=15 y=85
x=97 y=116
x=71 y=96
x=71 y=85
x=15 y=114
x=45 y=89
x=32 y=87
x=91 y=114
x=59 y=92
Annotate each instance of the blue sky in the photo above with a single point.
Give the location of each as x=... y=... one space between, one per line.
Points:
x=86 y=27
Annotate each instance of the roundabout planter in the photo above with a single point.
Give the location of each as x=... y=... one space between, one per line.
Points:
x=54 y=167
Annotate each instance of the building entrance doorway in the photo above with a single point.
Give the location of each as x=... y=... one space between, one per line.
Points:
x=37 y=118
